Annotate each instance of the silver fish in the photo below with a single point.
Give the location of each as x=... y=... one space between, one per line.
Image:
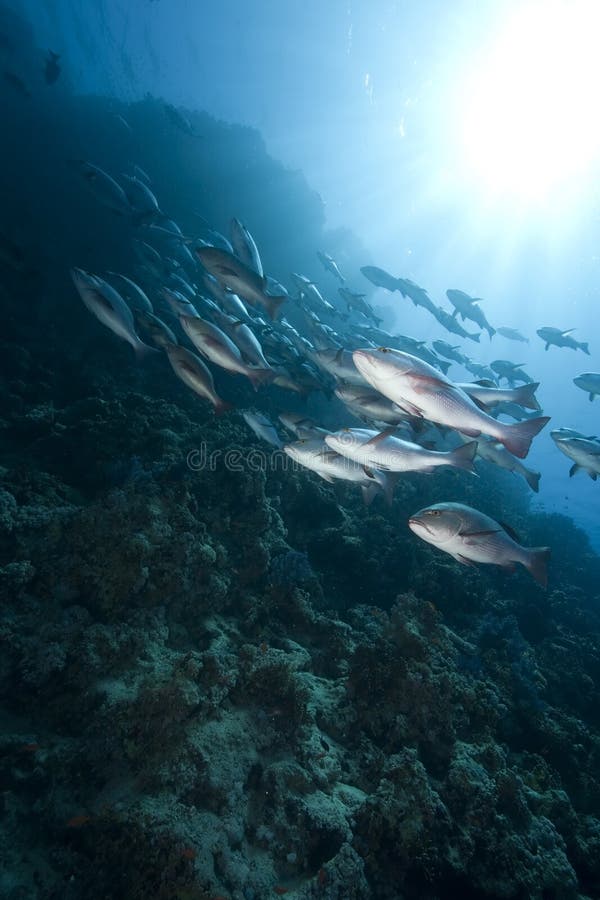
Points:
x=262 y=427
x=245 y=247
x=585 y=453
x=389 y=453
x=381 y=278
x=472 y=537
x=468 y=308
x=558 y=338
x=133 y=293
x=330 y=265
x=110 y=309
x=489 y=396
x=512 y=334
x=423 y=391
x=340 y=364
x=196 y=375
x=239 y=278
x=104 y=187
x=495 y=453
x=220 y=349
x=314 y=454
x=178 y=304
x=140 y=196
x=160 y=334
x=588 y=382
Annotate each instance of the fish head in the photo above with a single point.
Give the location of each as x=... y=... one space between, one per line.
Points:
x=382 y=365
x=436 y=524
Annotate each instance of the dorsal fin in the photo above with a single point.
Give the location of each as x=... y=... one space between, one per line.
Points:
x=568 y=331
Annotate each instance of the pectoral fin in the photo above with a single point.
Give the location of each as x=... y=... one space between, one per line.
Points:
x=372 y=442
x=423 y=383
x=464 y=561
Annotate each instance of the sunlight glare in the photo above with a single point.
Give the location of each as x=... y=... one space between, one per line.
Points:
x=530 y=103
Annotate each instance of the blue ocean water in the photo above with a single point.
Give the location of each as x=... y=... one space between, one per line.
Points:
x=268 y=628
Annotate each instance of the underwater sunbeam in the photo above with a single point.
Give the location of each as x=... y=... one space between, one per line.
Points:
x=528 y=103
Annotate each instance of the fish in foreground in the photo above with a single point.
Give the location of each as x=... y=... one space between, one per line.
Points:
x=585 y=452
x=588 y=382
x=492 y=451
x=558 y=338
x=232 y=273
x=421 y=390
x=471 y=537
x=196 y=375
x=389 y=453
x=262 y=427
x=110 y=309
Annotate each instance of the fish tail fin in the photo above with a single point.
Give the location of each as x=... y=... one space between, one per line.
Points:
x=585 y=347
x=273 y=304
x=533 y=479
x=525 y=395
x=222 y=406
x=475 y=336
x=463 y=456
x=517 y=438
x=536 y=564
x=143 y=351
x=444 y=366
x=491 y=331
x=259 y=377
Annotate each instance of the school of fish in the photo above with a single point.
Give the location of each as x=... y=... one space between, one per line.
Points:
x=207 y=302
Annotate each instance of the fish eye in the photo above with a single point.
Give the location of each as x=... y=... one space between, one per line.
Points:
x=383 y=349
x=433 y=512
